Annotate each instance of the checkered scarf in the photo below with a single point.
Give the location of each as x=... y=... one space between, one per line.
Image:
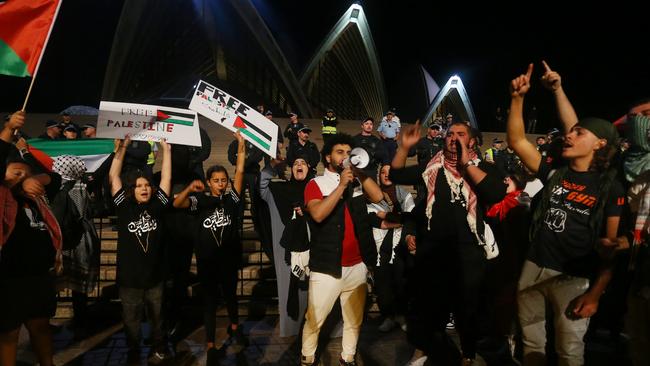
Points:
x=453 y=176
x=69 y=167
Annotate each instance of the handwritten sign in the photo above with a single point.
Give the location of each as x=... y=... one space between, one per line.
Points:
x=231 y=113
x=145 y=122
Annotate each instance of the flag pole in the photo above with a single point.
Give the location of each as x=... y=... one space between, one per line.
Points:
x=40 y=58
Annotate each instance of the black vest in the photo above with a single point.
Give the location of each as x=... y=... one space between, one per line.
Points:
x=326 y=244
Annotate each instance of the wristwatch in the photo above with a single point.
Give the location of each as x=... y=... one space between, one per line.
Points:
x=471 y=162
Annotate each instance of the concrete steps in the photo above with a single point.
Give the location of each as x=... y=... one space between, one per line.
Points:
x=257 y=267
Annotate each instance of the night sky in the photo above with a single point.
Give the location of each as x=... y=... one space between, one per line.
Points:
x=599 y=52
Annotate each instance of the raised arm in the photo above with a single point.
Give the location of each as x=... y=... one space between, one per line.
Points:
x=166 y=172
x=553 y=82
x=182 y=199
x=116 y=166
x=473 y=172
x=241 y=159
x=16 y=122
x=516 y=135
x=408 y=138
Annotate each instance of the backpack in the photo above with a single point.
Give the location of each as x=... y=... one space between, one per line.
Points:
x=69 y=218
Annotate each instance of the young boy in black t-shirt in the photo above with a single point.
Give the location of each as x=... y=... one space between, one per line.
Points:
x=139 y=209
x=218 y=245
x=580 y=208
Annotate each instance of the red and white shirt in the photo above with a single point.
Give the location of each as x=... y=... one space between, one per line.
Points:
x=322 y=186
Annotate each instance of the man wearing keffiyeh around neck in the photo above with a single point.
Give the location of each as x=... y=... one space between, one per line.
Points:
x=453 y=242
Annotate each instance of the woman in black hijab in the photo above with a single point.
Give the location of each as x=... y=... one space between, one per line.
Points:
x=286 y=201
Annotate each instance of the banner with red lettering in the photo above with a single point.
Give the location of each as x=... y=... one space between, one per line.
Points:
x=145 y=122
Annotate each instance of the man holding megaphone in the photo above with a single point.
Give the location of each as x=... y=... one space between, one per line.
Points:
x=341 y=248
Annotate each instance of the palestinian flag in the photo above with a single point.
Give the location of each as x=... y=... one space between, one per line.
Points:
x=92 y=151
x=254 y=132
x=179 y=118
x=25 y=26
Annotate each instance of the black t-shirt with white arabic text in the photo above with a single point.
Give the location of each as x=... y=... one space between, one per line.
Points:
x=139 y=248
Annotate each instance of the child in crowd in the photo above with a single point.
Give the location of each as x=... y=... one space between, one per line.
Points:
x=218 y=245
x=139 y=207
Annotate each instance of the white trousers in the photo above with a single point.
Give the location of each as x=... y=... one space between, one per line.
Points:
x=541 y=286
x=323 y=292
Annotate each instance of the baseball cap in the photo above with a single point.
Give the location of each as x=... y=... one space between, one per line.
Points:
x=88 y=125
x=51 y=123
x=268 y=113
x=603 y=129
x=291 y=114
x=70 y=128
x=305 y=129
x=497 y=140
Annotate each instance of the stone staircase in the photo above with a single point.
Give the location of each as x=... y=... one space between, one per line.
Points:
x=257 y=268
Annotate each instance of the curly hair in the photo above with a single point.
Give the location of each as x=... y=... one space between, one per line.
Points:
x=604 y=157
x=337 y=139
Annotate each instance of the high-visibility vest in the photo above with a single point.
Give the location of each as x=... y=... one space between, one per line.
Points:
x=328 y=130
x=151 y=159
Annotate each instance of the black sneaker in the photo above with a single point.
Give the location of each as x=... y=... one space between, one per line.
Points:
x=346 y=363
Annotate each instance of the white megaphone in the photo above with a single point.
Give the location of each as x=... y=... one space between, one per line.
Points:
x=358 y=157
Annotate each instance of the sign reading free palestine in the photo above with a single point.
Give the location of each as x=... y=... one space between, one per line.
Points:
x=231 y=113
x=145 y=122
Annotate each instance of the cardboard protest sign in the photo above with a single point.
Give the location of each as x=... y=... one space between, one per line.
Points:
x=234 y=115
x=145 y=122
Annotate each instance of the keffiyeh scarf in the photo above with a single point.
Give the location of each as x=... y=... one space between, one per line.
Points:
x=460 y=191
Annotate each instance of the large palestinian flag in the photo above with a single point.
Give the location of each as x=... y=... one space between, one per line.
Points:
x=92 y=151
x=24 y=28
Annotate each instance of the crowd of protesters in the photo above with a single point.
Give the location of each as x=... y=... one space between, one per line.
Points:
x=510 y=245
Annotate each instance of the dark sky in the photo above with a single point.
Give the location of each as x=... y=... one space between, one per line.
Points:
x=600 y=53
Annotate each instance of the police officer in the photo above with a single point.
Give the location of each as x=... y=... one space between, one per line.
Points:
x=329 y=123
x=373 y=145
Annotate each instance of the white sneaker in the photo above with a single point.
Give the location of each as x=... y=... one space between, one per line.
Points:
x=451 y=324
x=387 y=325
x=418 y=361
